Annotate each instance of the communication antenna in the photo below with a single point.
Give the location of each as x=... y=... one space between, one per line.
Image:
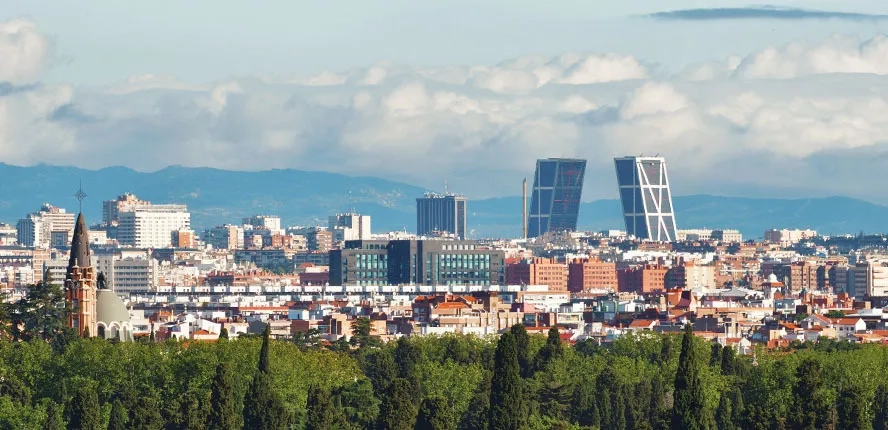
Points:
x=80 y=195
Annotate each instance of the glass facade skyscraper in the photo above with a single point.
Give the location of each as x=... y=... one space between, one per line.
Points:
x=444 y=213
x=555 y=200
x=646 y=198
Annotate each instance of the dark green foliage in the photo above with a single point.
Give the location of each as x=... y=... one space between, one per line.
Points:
x=728 y=361
x=223 y=334
x=13 y=388
x=584 y=410
x=399 y=408
x=551 y=351
x=507 y=404
x=193 y=413
x=688 y=410
x=41 y=314
x=380 y=367
x=53 y=419
x=320 y=413
x=361 y=333
x=263 y=409
x=436 y=413
x=724 y=415
x=119 y=418
x=880 y=408
x=82 y=411
x=406 y=357
x=223 y=414
x=554 y=399
x=522 y=343
x=477 y=416
x=665 y=349
x=851 y=409
x=358 y=403
x=715 y=356
x=811 y=409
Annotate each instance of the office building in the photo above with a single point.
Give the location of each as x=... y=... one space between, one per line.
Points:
x=588 y=274
x=646 y=198
x=152 y=226
x=48 y=226
x=538 y=271
x=555 y=199
x=441 y=213
x=416 y=262
x=350 y=226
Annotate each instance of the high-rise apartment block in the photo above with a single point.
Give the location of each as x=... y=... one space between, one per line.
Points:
x=555 y=200
x=350 y=226
x=225 y=237
x=48 y=226
x=591 y=274
x=151 y=226
x=646 y=198
x=268 y=222
x=416 y=262
x=126 y=202
x=538 y=271
x=441 y=213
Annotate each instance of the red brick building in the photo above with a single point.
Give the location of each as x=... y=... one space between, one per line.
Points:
x=591 y=274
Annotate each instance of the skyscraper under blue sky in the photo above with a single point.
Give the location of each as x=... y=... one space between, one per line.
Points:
x=557 y=189
x=646 y=198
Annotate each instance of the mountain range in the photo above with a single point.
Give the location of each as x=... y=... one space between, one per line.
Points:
x=299 y=197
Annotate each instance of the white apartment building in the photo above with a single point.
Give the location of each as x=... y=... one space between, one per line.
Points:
x=788 y=237
x=269 y=222
x=350 y=226
x=695 y=234
x=152 y=226
x=36 y=229
x=126 y=202
x=128 y=271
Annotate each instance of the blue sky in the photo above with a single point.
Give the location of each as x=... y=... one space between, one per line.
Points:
x=784 y=99
x=105 y=41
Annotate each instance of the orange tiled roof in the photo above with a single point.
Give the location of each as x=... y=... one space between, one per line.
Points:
x=642 y=323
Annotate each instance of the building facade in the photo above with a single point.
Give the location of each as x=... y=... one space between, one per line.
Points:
x=441 y=213
x=646 y=198
x=538 y=271
x=152 y=226
x=591 y=274
x=38 y=229
x=556 y=194
x=126 y=202
x=416 y=262
x=350 y=226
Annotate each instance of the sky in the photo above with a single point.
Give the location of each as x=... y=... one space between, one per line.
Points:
x=781 y=99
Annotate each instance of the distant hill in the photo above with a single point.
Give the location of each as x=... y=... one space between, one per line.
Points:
x=299 y=197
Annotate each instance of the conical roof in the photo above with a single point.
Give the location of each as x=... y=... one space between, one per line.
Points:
x=79 y=244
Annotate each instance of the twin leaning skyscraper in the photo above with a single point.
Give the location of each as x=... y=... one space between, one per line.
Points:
x=644 y=193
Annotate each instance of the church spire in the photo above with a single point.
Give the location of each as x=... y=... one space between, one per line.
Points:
x=79 y=245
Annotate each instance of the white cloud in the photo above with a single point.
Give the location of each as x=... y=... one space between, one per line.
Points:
x=23 y=51
x=724 y=128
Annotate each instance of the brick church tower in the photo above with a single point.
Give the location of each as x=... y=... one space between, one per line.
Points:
x=80 y=283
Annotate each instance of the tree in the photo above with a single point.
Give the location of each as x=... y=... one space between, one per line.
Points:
x=728 y=361
x=436 y=413
x=477 y=416
x=119 y=418
x=715 y=356
x=358 y=403
x=361 y=328
x=83 y=410
x=584 y=410
x=41 y=314
x=811 y=409
x=223 y=333
x=880 y=406
x=223 y=412
x=522 y=342
x=507 y=407
x=193 y=413
x=398 y=411
x=551 y=351
x=53 y=419
x=688 y=409
x=406 y=357
x=724 y=415
x=852 y=409
x=319 y=409
x=665 y=349
x=263 y=409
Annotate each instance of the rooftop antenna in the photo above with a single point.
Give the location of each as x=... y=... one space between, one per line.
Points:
x=80 y=195
x=445 y=187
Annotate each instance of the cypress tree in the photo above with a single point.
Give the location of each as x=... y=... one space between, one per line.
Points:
x=715 y=357
x=583 y=409
x=724 y=415
x=688 y=407
x=83 y=410
x=436 y=413
x=507 y=408
x=810 y=409
x=223 y=413
x=319 y=409
x=880 y=406
x=728 y=361
x=552 y=350
x=263 y=409
x=406 y=357
x=605 y=385
x=119 y=419
x=665 y=349
x=476 y=417
x=398 y=411
x=193 y=413
x=53 y=420
x=522 y=343
x=223 y=333
x=852 y=409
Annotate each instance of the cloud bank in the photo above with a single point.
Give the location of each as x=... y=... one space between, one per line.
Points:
x=761 y=12
x=800 y=119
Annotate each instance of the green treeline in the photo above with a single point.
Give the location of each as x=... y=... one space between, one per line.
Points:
x=515 y=381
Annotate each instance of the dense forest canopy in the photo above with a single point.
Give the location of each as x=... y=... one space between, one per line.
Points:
x=517 y=380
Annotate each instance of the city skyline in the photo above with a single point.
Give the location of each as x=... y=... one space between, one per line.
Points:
x=802 y=96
